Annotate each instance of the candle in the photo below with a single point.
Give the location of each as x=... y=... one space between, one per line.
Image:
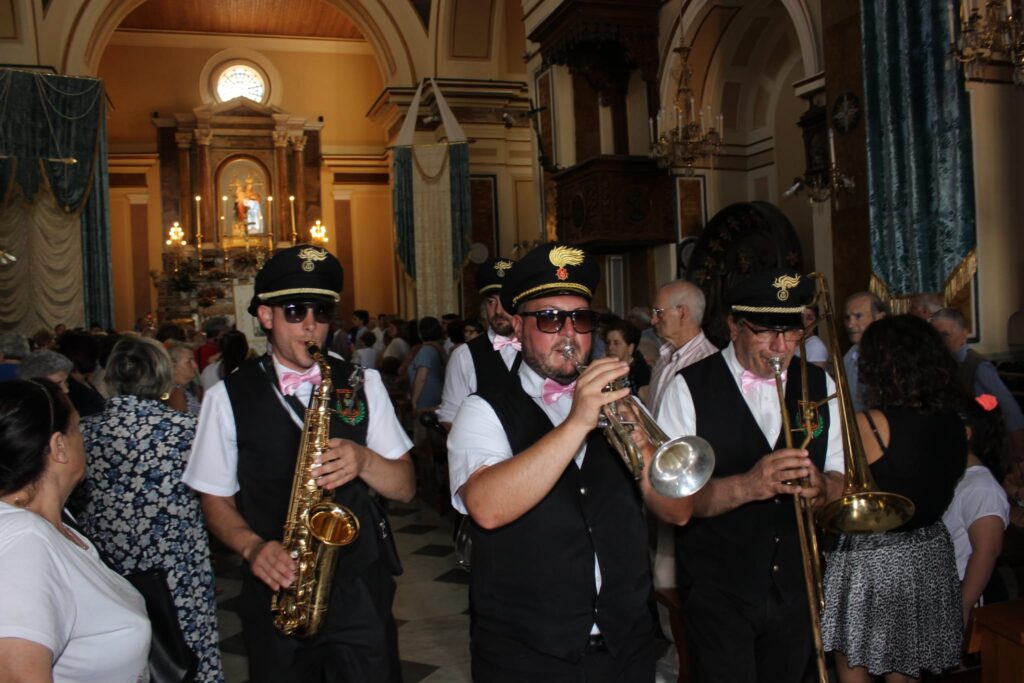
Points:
x=720 y=125
x=700 y=115
x=659 y=124
x=224 y=218
x=832 y=146
x=1009 y=8
x=199 y=224
x=650 y=121
x=270 y=222
x=291 y=200
x=952 y=25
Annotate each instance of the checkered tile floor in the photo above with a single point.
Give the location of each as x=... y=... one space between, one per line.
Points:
x=431 y=605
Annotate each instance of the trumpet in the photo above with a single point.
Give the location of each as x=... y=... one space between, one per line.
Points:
x=679 y=467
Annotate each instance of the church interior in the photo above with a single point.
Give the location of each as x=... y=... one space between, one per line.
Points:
x=175 y=145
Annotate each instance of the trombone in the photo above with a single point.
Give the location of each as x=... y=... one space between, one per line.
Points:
x=862 y=508
x=679 y=467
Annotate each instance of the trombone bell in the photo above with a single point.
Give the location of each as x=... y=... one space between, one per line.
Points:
x=866 y=512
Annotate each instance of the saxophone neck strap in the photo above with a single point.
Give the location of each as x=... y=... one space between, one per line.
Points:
x=291 y=404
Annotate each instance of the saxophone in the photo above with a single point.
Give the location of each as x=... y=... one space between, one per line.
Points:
x=316 y=526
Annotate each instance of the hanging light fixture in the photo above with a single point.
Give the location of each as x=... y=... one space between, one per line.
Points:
x=318 y=232
x=692 y=133
x=989 y=32
x=6 y=257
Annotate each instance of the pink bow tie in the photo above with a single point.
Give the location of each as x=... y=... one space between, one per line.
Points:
x=749 y=380
x=501 y=342
x=291 y=381
x=553 y=391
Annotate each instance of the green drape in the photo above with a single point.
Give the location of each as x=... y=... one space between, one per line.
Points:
x=401 y=205
x=46 y=121
x=920 y=178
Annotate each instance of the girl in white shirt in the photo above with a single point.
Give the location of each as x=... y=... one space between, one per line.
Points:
x=978 y=515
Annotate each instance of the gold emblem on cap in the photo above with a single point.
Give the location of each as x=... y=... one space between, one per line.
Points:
x=561 y=257
x=784 y=283
x=309 y=255
x=501 y=267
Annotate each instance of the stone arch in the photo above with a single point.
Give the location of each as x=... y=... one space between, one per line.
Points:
x=807 y=34
x=395 y=49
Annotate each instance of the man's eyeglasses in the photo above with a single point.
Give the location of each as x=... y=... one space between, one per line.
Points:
x=767 y=334
x=551 y=321
x=296 y=313
x=658 y=312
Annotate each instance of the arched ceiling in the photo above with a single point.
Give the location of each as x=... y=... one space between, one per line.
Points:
x=304 y=18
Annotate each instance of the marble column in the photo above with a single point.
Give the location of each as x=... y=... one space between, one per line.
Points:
x=298 y=149
x=185 y=201
x=283 y=220
x=208 y=205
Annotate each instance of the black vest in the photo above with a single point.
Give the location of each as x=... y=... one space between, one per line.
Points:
x=268 y=445
x=488 y=364
x=533 y=579
x=746 y=551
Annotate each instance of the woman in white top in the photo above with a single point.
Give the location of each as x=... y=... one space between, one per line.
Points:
x=978 y=515
x=65 y=616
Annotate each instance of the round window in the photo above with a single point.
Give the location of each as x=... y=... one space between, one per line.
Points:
x=241 y=80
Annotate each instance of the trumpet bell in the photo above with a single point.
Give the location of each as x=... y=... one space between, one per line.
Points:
x=866 y=512
x=680 y=467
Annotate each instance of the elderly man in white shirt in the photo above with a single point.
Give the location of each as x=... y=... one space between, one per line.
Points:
x=677 y=314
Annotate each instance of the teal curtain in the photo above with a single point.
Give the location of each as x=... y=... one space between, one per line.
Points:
x=462 y=217
x=97 y=272
x=401 y=205
x=920 y=179
x=45 y=122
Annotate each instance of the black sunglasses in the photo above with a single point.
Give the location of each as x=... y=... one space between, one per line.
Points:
x=296 y=313
x=551 y=320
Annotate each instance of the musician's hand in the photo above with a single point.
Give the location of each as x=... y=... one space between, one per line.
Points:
x=271 y=564
x=342 y=462
x=816 y=488
x=590 y=395
x=768 y=477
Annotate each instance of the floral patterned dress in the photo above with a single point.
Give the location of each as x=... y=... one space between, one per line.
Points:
x=135 y=508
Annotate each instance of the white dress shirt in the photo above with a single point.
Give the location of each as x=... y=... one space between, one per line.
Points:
x=460 y=377
x=213 y=466
x=678 y=417
x=671 y=361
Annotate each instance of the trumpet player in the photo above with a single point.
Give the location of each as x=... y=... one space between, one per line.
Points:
x=738 y=562
x=561 y=580
x=242 y=465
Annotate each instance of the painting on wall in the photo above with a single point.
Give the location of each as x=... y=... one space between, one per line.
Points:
x=243 y=186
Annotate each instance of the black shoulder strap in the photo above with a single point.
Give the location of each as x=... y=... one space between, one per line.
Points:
x=874 y=430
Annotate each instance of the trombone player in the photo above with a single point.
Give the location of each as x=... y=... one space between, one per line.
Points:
x=738 y=562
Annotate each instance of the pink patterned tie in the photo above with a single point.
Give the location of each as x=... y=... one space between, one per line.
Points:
x=749 y=380
x=553 y=391
x=501 y=342
x=291 y=381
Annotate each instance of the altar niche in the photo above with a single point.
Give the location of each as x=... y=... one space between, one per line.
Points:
x=244 y=211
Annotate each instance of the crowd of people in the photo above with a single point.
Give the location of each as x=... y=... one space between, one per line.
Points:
x=134 y=451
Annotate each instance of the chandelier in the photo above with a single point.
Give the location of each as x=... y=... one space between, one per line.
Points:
x=692 y=134
x=988 y=33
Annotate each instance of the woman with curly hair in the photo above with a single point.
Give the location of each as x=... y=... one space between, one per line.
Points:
x=892 y=600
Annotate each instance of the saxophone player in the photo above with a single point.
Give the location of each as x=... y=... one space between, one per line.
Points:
x=242 y=465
